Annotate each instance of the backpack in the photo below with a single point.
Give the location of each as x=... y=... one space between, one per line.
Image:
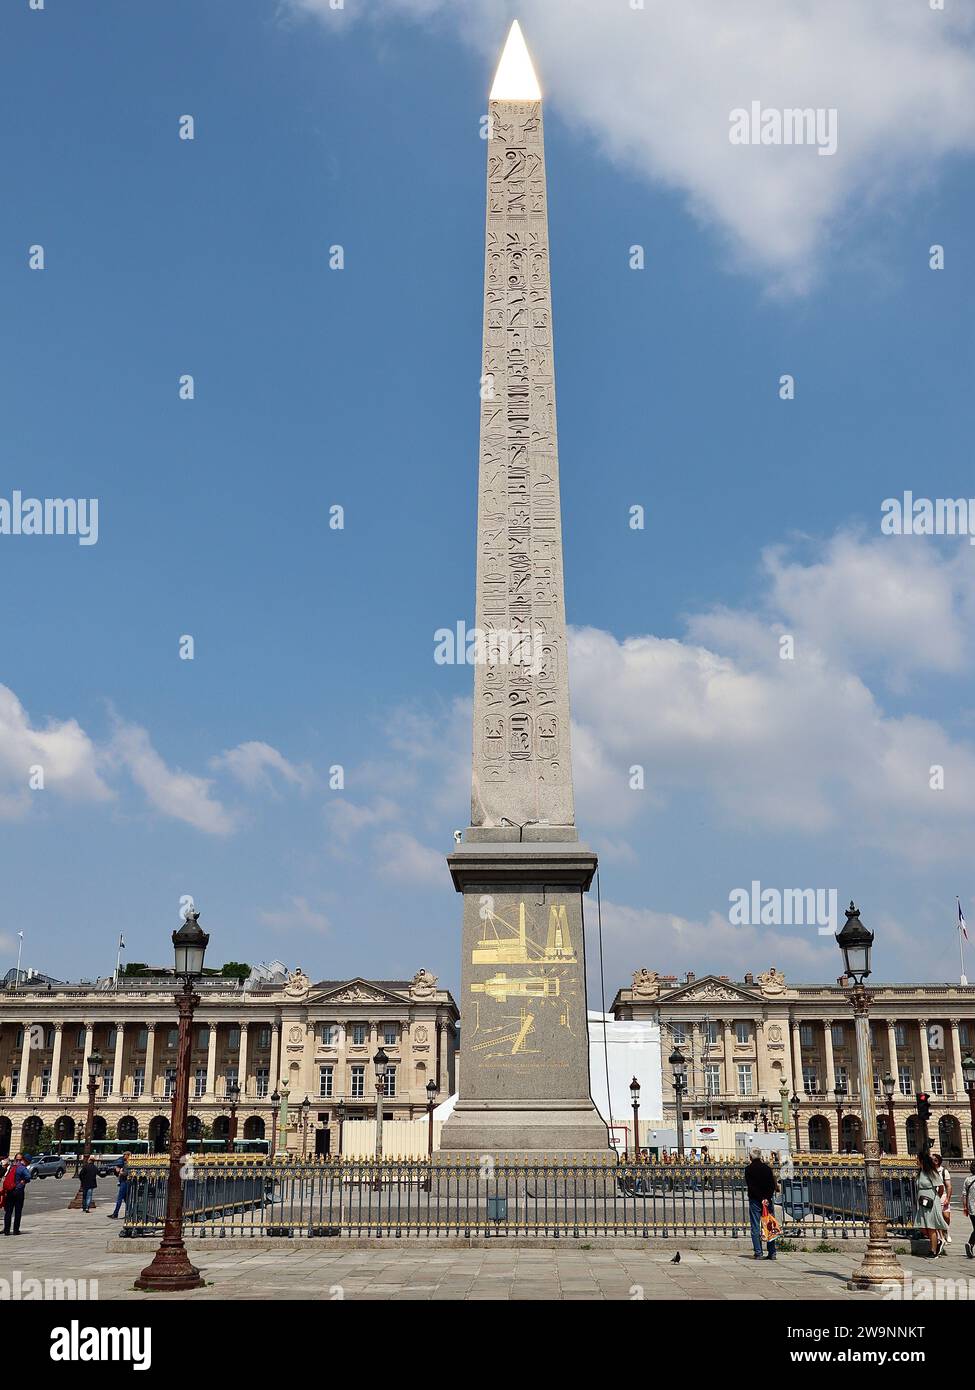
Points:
x=10 y=1178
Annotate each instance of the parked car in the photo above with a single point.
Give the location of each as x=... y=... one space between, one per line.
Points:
x=46 y=1166
x=105 y=1164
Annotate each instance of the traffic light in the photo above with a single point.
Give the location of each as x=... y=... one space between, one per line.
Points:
x=923 y=1106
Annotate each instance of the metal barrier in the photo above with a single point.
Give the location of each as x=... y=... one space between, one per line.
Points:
x=262 y=1198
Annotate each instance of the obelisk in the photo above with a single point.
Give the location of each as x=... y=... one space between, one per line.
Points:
x=524 y=1066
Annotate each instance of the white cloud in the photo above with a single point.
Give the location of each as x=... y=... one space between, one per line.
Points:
x=182 y=795
x=297 y=915
x=402 y=857
x=801 y=744
x=656 y=87
x=670 y=944
x=251 y=764
x=63 y=750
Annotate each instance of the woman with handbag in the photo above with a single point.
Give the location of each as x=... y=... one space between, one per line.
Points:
x=930 y=1192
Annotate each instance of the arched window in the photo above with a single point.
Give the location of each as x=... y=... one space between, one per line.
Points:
x=820 y=1140
x=913 y=1131
x=949 y=1137
x=128 y=1127
x=253 y=1127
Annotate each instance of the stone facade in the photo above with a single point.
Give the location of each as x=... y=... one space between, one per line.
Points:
x=744 y=1039
x=315 y=1039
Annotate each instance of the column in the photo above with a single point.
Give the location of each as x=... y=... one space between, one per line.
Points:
x=798 y=1086
x=441 y=1055
x=211 y=1061
x=729 y=1059
x=117 y=1071
x=958 y=1091
x=89 y=1040
x=150 y=1086
x=892 y=1051
x=23 y=1088
x=922 y=1034
x=242 y=1062
x=274 y=1079
x=56 y=1062
x=830 y=1067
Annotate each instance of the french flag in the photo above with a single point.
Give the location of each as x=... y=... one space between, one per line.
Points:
x=961 y=920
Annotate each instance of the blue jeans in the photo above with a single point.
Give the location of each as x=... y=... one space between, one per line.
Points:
x=86 y=1197
x=755 y=1221
x=123 y=1192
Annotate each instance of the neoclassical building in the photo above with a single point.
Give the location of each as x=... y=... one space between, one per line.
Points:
x=317 y=1040
x=743 y=1040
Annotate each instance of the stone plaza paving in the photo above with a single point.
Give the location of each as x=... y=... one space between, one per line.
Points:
x=69 y=1245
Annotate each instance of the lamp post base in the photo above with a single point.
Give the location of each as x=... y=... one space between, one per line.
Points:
x=880 y=1266
x=170 y=1272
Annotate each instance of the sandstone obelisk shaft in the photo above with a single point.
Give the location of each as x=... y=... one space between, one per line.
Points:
x=522 y=767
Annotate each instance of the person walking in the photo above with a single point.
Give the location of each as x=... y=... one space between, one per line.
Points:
x=88 y=1178
x=15 y=1182
x=968 y=1207
x=762 y=1187
x=122 y=1173
x=930 y=1216
x=945 y=1176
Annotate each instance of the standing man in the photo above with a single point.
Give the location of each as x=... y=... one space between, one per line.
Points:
x=15 y=1183
x=122 y=1173
x=762 y=1187
x=88 y=1178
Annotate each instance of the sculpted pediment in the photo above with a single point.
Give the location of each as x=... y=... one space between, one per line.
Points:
x=713 y=990
x=356 y=992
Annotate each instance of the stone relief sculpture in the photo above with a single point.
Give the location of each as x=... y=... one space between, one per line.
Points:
x=423 y=985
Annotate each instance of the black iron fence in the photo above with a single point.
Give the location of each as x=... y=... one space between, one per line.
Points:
x=224 y=1198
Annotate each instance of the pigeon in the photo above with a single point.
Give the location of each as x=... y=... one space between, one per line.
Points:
x=676 y=1259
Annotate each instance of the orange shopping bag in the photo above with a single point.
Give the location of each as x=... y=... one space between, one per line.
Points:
x=770 y=1227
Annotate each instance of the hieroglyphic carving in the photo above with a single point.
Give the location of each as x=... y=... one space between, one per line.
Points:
x=522 y=767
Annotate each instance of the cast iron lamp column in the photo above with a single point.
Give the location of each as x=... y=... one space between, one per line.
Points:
x=678 y=1063
x=890 y=1086
x=840 y=1093
x=94 y=1068
x=880 y=1264
x=340 y=1116
x=275 y=1102
x=794 y=1104
x=233 y=1095
x=968 y=1072
x=635 y=1098
x=431 y=1100
x=170 y=1270
x=305 y=1108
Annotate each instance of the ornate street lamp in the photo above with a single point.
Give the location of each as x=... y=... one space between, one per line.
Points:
x=233 y=1095
x=880 y=1264
x=839 y=1091
x=95 y=1064
x=170 y=1270
x=890 y=1085
x=968 y=1072
x=635 y=1098
x=305 y=1108
x=678 y=1063
x=381 y=1063
x=431 y=1102
x=763 y=1113
x=794 y=1105
x=275 y=1102
x=340 y=1117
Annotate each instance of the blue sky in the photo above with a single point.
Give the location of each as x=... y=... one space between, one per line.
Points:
x=316 y=387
